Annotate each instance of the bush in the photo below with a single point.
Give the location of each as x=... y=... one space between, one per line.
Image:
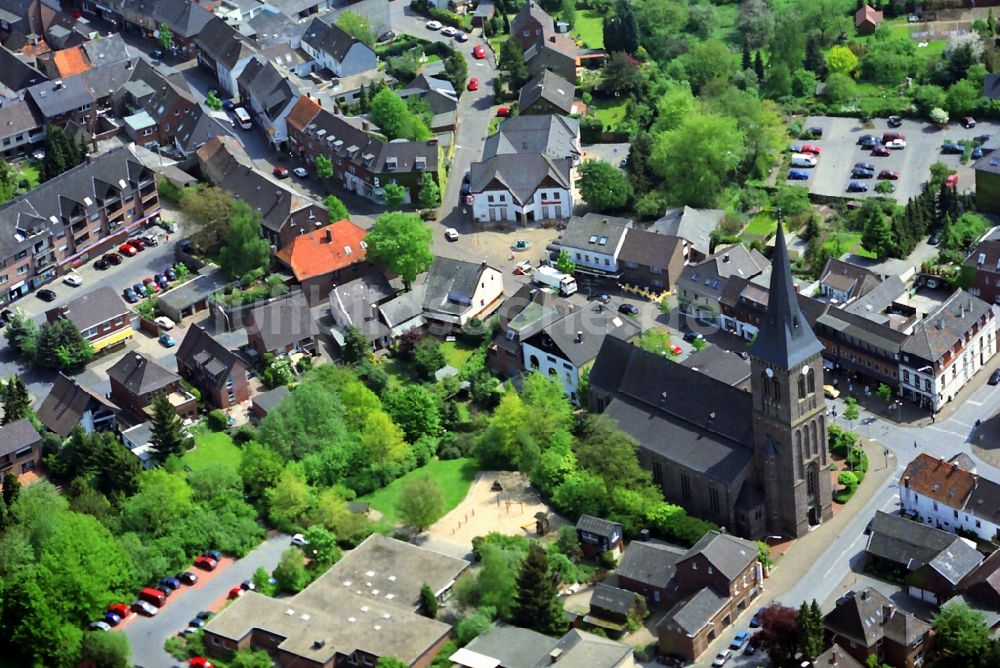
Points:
x=501 y=541
x=217 y=420
x=847 y=479
x=244 y=434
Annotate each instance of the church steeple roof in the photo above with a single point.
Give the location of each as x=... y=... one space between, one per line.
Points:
x=785 y=339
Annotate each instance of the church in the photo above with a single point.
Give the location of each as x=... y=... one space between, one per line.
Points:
x=755 y=462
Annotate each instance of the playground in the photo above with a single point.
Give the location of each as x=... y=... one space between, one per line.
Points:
x=500 y=501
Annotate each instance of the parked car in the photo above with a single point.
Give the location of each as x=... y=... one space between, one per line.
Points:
x=144 y=608
x=603 y=298
x=857 y=187
x=228 y=105
x=99 y=626
x=212 y=554
x=894 y=121
x=205 y=614
x=951 y=181
x=206 y=563
x=433 y=25
x=170 y=582
x=473 y=84
x=811 y=148
x=170 y=274
x=461 y=37
x=139 y=289
x=891 y=136
x=156 y=53
x=934 y=239
x=73 y=280
x=166 y=340
x=896 y=144
x=862 y=173
x=164 y=323
x=888 y=174
x=994 y=378
x=981 y=139
x=196 y=623
x=797 y=175
x=478 y=52
x=795 y=148
x=867 y=141
x=755 y=620
x=880 y=151
x=864 y=165
x=803 y=160
x=298 y=540
x=113 y=618
x=387 y=36
x=200 y=662
x=235 y=593
x=451 y=234
x=129 y=295
x=448 y=31
x=187 y=577
x=721 y=658
x=112 y=258
x=628 y=309
x=952 y=149
x=503 y=111
x=248 y=585
x=137 y=243
x=101 y=264
x=46 y=295
x=280 y=171
x=691 y=337
x=814 y=132
x=968 y=122
x=301 y=172
x=119 y=609
x=977 y=153
x=127 y=250
x=150 y=239
x=750 y=649
x=739 y=640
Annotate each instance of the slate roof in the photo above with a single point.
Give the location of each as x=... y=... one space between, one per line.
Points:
x=451 y=284
x=268 y=400
x=283 y=322
x=730 y=555
x=991 y=89
x=268 y=86
x=873 y=304
x=17 y=116
x=693 y=225
x=531 y=10
x=585 y=650
x=596 y=321
x=66 y=403
x=712 y=273
x=720 y=364
x=650 y=249
x=598 y=526
x=986 y=256
x=520 y=174
x=550 y=87
x=612 y=599
x=55 y=99
x=185 y=19
x=514 y=647
x=15 y=74
x=199 y=347
x=329 y=38
x=551 y=135
x=16 y=435
x=224 y=43
x=850 y=278
x=649 y=563
x=991 y=161
x=956 y=562
x=325 y=250
x=93 y=308
x=938 y=333
x=694 y=613
x=140 y=375
x=869 y=615
x=903 y=541
x=198 y=288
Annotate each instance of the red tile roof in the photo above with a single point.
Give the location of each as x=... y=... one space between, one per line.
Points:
x=303 y=112
x=867 y=14
x=940 y=480
x=325 y=250
x=71 y=61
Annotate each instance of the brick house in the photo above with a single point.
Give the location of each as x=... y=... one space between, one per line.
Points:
x=650 y=261
x=598 y=536
x=136 y=381
x=649 y=568
x=987 y=170
x=531 y=24
x=219 y=375
x=867 y=623
x=326 y=257
x=985 y=260
x=20 y=447
x=100 y=315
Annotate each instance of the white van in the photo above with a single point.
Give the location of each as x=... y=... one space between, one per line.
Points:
x=243 y=117
x=803 y=160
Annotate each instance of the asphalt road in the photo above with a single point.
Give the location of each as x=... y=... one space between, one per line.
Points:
x=147 y=634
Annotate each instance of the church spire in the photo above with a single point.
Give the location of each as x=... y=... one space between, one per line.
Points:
x=785 y=339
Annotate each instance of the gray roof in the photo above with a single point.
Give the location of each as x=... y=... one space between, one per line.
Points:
x=16 y=435
x=600 y=233
x=330 y=39
x=199 y=347
x=356 y=298
x=694 y=613
x=988 y=163
x=66 y=403
x=585 y=650
x=719 y=364
x=198 y=288
x=938 y=333
x=868 y=616
x=184 y=18
x=451 y=284
x=730 y=555
x=596 y=322
x=268 y=400
x=785 y=338
x=612 y=599
x=15 y=74
x=694 y=225
x=109 y=49
x=521 y=174
x=283 y=322
x=650 y=563
x=140 y=375
x=548 y=134
x=598 y=526
x=17 y=116
x=550 y=87
x=991 y=86
x=650 y=249
x=404 y=307
x=837 y=657
x=93 y=308
x=903 y=541
x=54 y=99
x=847 y=277
x=514 y=647
x=224 y=43
x=873 y=304
x=711 y=275
x=268 y=86
x=141 y=434
x=957 y=561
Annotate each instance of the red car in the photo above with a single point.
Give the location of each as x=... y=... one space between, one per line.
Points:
x=880 y=150
x=478 y=53
x=200 y=662
x=137 y=244
x=888 y=174
x=127 y=250
x=119 y=609
x=503 y=111
x=235 y=592
x=811 y=148
x=112 y=258
x=280 y=172
x=206 y=563
x=473 y=84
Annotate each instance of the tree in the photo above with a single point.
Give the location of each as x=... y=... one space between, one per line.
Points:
x=430 y=193
x=104 y=650
x=356 y=345
x=22 y=335
x=57 y=159
x=393 y=118
x=251 y=658
x=322 y=548
x=166 y=37
x=695 y=159
x=962 y=635
x=840 y=60
x=427 y=357
x=964 y=97
x=290 y=573
x=428 y=601
x=456 y=70
x=884 y=392
x=213 y=102
x=851 y=409
x=324 y=170
x=810 y=630
x=402 y=242
x=11 y=488
x=357 y=26
x=877 y=236
x=778 y=633
x=603 y=187
x=755 y=23
x=382 y=443
x=244 y=250
x=621 y=30
x=710 y=64
x=16 y=400
x=511 y=60
x=420 y=502
x=537 y=605
x=414 y=409
x=564 y=263
x=395 y=195
x=61 y=346
x=260 y=469
x=622 y=76
x=168 y=435
x=335 y=209
x=758 y=67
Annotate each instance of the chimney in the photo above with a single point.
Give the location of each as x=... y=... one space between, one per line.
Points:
x=59 y=84
x=366 y=126
x=864 y=595
x=579 y=336
x=138 y=360
x=906 y=481
x=277 y=194
x=887 y=611
x=725 y=258
x=554 y=655
x=552 y=38
x=328 y=238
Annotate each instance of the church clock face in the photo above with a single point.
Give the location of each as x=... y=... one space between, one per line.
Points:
x=769 y=372
x=805 y=370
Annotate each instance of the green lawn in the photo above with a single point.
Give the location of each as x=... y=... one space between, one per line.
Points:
x=453 y=475
x=839 y=243
x=761 y=226
x=589 y=28
x=30 y=173
x=212 y=448
x=610 y=112
x=456 y=353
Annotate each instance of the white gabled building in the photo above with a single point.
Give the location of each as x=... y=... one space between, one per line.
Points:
x=520 y=188
x=333 y=48
x=947 y=496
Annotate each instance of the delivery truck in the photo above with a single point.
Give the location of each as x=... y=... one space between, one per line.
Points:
x=554 y=278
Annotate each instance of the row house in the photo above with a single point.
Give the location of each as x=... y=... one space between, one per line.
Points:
x=861 y=345
x=362 y=162
x=21 y=128
x=20 y=447
x=694 y=227
x=78 y=59
x=334 y=49
x=100 y=315
x=701 y=286
x=985 y=261
x=213 y=369
x=152 y=107
x=73 y=218
x=184 y=19
x=948 y=496
x=593 y=242
x=522 y=315
x=326 y=257
x=269 y=95
x=946 y=349
x=225 y=52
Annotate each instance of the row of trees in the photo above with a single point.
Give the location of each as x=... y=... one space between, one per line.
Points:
x=55 y=345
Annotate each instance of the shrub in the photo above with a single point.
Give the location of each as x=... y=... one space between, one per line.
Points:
x=847 y=479
x=217 y=420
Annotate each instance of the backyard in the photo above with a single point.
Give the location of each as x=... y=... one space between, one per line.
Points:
x=589 y=29
x=609 y=111
x=211 y=449
x=453 y=475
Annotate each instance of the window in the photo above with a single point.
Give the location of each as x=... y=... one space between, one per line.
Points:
x=713 y=499
x=658 y=473
x=935 y=505
x=685 y=486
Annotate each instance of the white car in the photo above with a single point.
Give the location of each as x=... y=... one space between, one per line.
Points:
x=449 y=31
x=451 y=234
x=163 y=322
x=300 y=172
x=73 y=280
x=721 y=658
x=433 y=25
x=299 y=540
x=896 y=143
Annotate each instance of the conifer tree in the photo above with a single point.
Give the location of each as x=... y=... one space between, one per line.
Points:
x=537 y=606
x=16 y=401
x=168 y=438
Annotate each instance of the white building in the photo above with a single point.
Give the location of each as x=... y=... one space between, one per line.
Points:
x=332 y=48
x=522 y=187
x=947 y=496
x=593 y=241
x=946 y=349
x=457 y=291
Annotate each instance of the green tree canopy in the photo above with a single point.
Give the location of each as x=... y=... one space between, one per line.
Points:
x=324 y=170
x=168 y=436
x=414 y=409
x=840 y=60
x=336 y=210
x=603 y=186
x=402 y=242
x=420 y=502
x=695 y=159
x=16 y=400
x=245 y=250
x=395 y=195
x=357 y=26
x=430 y=193
x=537 y=606
x=393 y=118
x=61 y=346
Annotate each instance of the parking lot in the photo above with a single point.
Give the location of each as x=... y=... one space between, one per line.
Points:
x=840 y=150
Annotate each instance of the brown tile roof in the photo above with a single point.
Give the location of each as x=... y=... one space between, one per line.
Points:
x=69 y=62
x=325 y=250
x=303 y=112
x=939 y=480
x=867 y=14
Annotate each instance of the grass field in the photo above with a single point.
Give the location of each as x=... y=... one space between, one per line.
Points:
x=456 y=353
x=610 y=112
x=761 y=226
x=839 y=243
x=453 y=475
x=212 y=448
x=590 y=28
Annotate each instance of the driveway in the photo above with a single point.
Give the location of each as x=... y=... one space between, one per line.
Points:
x=147 y=634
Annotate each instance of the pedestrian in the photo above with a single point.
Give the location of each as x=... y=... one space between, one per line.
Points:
x=933 y=418
x=914 y=445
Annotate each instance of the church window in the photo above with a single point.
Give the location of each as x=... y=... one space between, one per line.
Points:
x=802 y=387
x=658 y=473
x=765 y=386
x=685 y=486
x=713 y=499
x=811 y=381
x=811 y=481
x=776 y=390
x=815 y=439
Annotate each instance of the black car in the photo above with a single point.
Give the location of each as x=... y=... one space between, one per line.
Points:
x=204 y=614
x=862 y=173
x=6 y=315
x=386 y=36
x=814 y=132
x=867 y=141
x=895 y=121
x=994 y=378
x=461 y=37
x=188 y=578
x=628 y=309
x=214 y=554
x=46 y=295
x=952 y=149
x=157 y=53
x=691 y=337
x=228 y=105
x=864 y=165
x=196 y=623
x=934 y=239
x=170 y=274
x=101 y=264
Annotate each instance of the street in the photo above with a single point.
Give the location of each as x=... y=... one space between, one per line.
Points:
x=147 y=634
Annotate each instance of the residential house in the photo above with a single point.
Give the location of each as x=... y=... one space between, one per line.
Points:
x=836 y=657
x=553 y=136
x=21 y=128
x=285 y=214
x=225 y=52
x=485 y=10
x=139 y=441
x=184 y=19
x=987 y=169
x=283 y=326
x=650 y=261
x=981 y=589
x=694 y=226
x=405 y=311
x=379 y=614
x=523 y=315
x=440 y=97
x=531 y=25
x=598 y=535
x=513 y=647
x=20 y=447
x=219 y=375
x=566 y=347
x=701 y=286
x=985 y=260
x=946 y=349
x=612 y=608
x=16 y=74
x=25 y=22
x=867 y=19
x=63 y=101
x=362 y=163
x=152 y=107
x=867 y=623
x=326 y=257
x=100 y=315
x=594 y=241
x=332 y=48
x=300 y=9
x=933 y=564
x=948 y=496
x=842 y=282
x=72 y=218
x=558 y=53
x=649 y=568
x=522 y=187
x=137 y=380
x=717 y=580
x=78 y=59
x=268 y=94
x=744 y=306
x=265 y=402
x=356 y=304
x=239 y=12
x=69 y=404
x=457 y=291
x=548 y=93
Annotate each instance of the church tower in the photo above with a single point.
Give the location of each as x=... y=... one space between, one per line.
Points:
x=791 y=459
